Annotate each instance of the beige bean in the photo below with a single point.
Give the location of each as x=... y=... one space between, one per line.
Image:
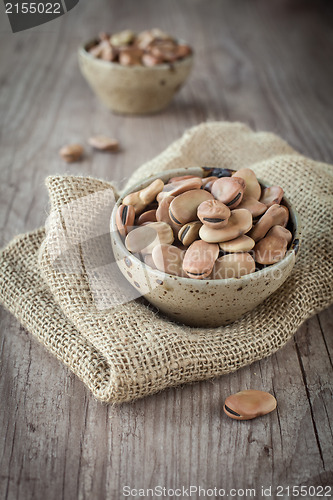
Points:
x=239 y=223
x=271 y=195
x=144 y=39
x=252 y=205
x=144 y=238
x=149 y=193
x=229 y=190
x=242 y=244
x=125 y=218
x=148 y=216
x=181 y=178
x=141 y=199
x=282 y=232
x=275 y=215
x=164 y=234
x=213 y=213
x=169 y=259
x=246 y=405
x=272 y=248
x=140 y=238
x=166 y=49
x=104 y=51
x=208 y=182
x=157 y=33
x=124 y=37
x=182 y=51
x=135 y=200
x=252 y=186
x=71 y=152
x=178 y=187
x=103 y=143
x=184 y=207
x=234 y=265
x=130 y=56
x=149 y=60
x=109 y=53
x=162 y=214
x=199 y=259
x=96 y=50
x=189 y=232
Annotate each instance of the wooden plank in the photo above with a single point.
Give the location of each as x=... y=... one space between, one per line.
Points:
x=267 y=64
x=165 y=439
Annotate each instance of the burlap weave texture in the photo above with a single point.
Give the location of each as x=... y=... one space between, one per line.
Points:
x=129 y=351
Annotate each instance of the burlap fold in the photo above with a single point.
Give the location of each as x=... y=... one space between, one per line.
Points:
x=125 y=352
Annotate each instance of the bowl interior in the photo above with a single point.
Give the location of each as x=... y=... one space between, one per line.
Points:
x=293 y=225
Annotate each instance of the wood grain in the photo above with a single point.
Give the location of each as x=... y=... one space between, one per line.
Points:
x=268 y=64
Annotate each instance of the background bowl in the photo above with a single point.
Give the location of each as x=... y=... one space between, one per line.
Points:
x=203 y=303
x=133 y=89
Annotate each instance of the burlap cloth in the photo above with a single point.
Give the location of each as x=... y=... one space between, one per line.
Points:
x=130 y=351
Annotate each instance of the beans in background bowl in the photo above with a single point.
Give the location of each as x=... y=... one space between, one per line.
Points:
x=147 y=48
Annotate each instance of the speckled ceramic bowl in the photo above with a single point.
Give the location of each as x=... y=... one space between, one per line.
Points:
x=133 y=89
x=203 y=303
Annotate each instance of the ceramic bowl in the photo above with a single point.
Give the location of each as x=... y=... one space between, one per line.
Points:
x=203 y=303
x=133 y=89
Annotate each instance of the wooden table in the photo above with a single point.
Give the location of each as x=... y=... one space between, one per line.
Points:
x=268 y=64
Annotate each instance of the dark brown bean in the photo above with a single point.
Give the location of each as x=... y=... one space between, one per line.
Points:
x=148 y=216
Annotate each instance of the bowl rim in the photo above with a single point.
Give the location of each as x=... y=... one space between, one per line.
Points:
x=165 y=66
x=292 y=250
